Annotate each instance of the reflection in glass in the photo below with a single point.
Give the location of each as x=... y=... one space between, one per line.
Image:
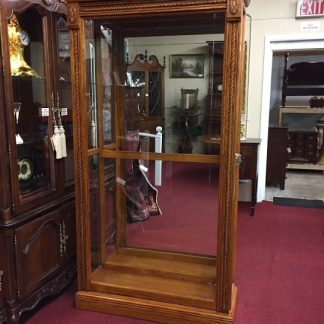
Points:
x=163 y=205
x=191 y=122
x=100 y=78
x=177 y=216
x=144 y=93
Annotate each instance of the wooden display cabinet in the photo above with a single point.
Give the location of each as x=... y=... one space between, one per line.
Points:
x=146 y=269
x=37 y=226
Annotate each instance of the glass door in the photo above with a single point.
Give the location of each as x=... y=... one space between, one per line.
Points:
x=36 y=120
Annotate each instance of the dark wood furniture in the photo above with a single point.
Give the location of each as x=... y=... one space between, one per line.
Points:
x=146 y=75
x=248 y=166
x=277 y=155
x=303 y=146
x=37 y=227
x=148 y=283
x=302 y=79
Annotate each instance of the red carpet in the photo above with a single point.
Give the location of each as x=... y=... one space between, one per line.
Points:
x=280 y=272
x=188 y=201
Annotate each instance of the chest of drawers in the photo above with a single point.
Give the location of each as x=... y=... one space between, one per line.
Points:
x=302 y=146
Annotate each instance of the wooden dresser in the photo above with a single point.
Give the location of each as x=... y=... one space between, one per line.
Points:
x=248 y=166
x=302 y=146
x=277 y=156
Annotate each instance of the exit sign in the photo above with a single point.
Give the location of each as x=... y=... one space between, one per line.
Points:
x=310 y=8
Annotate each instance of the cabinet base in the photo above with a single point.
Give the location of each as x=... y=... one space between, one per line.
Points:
x=151 y=310
x=52 y=288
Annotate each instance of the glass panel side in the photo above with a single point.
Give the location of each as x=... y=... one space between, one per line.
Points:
x=100 y=78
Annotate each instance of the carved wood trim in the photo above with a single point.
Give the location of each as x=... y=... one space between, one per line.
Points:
x=51 y=288
x=50 y=5
x=78 y=158
x=39 y=231
x=234 y=10
x=156 y=6
x=73 y=16
x=228 y=172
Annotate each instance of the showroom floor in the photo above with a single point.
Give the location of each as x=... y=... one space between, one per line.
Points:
x=301 y=184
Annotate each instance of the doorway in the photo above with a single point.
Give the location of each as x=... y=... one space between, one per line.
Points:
x=275 y=44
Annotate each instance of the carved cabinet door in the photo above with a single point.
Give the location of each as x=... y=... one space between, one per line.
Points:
x=38 y=252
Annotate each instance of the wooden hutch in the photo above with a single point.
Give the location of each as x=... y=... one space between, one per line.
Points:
x=37 y=225
x=116 y=273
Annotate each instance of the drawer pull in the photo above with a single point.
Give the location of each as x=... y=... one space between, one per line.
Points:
x=63 y=239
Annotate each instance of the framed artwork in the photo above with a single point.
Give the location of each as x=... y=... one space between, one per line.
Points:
x=187 y=66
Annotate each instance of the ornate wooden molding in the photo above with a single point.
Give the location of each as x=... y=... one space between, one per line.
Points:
x=52 y=288
x=79 y=185
x=149 y=5
x=53 y=5
x=227 y=179
x=234 y=10
x=73 y=14
x=21 y=6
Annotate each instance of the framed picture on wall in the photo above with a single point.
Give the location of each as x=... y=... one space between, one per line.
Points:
x=187 y=66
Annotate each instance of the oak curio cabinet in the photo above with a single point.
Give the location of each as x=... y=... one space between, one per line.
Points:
x=37 y=183
x=156 y=231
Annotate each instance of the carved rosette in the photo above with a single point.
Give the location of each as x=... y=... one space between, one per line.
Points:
x=235 y=9
x=73 y=16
